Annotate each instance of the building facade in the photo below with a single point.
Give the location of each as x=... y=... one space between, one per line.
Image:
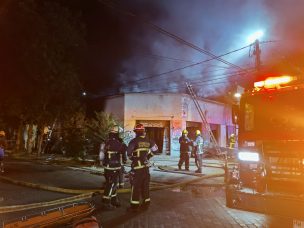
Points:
x=166 y=115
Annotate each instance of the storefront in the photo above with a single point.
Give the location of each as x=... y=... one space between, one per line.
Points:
x=166 y=115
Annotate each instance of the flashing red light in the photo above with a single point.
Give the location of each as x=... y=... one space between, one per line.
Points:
x=273 y=82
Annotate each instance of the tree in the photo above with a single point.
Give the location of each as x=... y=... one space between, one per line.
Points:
x=98 y=128
x=40 y=43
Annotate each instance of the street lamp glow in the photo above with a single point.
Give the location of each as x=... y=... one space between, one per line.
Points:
x=237 y=95
x=255 y=36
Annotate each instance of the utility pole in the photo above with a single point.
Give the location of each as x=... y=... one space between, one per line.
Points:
x=257 y=53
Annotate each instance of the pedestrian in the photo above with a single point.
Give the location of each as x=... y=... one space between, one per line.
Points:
x=2 y=150
x=185 y=150
x=112 y=165
x=198 y=148
x=140 y=150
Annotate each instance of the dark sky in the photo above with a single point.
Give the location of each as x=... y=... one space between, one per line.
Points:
x=125 y=49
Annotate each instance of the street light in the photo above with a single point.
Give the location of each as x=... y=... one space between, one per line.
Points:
x=255 y=36
x=237 y=95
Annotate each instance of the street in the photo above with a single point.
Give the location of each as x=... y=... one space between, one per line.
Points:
x=200 y=204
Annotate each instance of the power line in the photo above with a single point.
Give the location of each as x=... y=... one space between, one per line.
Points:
x=169 y=34
x=223 y=75
x=196 y=83
x=174 y=70
x=184 y=67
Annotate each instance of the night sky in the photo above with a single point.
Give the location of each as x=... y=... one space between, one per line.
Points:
x=128 y=53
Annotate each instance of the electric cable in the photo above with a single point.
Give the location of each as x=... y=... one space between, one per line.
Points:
x=169 y=34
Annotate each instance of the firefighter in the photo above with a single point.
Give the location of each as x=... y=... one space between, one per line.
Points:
x=140 y=150
x=198 y=147
x=121 y=179
x=113 y=151
x=185 y=150
x=232 y=141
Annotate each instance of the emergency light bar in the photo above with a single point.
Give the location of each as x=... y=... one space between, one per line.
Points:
x=273 y=82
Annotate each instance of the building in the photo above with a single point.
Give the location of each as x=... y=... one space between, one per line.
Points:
x=166 y=115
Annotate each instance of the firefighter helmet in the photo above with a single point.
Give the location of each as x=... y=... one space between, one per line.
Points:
x=139 y=127
x=2 y=133
x=197 y=132
x=114 y=129
x=185 y=132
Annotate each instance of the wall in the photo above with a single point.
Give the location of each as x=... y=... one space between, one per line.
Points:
x=115 y=105
x=176 y=108
x=155 y=107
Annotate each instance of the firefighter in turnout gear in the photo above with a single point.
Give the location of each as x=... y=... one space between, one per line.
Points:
x=185 y=150
x=198 y=147
x=140 y=150
x=115 y=155
x=232 y=141
x=121 y=182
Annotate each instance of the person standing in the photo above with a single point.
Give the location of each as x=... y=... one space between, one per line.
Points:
x=185 y=150
x=113 y=150
x=140 y=150
x=121 y=179
x=198 y=147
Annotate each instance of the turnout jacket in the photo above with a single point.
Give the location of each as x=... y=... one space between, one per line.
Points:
x=140 y=150
x=115 y=154
x=185 y=144
x=198 y=145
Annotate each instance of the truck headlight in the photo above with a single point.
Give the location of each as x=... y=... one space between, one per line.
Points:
x=249 y=156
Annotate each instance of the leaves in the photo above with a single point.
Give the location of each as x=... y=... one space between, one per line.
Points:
x=99 y=127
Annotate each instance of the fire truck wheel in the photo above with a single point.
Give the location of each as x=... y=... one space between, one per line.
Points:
x=229 y=197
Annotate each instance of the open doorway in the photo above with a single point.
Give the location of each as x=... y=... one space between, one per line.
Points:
x=159 y=132
x=192 y=127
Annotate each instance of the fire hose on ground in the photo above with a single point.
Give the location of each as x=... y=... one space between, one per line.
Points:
x=82 y=194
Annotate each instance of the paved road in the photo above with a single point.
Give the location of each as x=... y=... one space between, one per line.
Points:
x=192 y=206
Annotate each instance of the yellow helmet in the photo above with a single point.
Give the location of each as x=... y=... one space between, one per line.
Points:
x=197 y=132
x=185 y=132
x=2 y=133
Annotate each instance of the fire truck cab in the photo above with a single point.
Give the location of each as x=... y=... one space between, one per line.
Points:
x=270 y=163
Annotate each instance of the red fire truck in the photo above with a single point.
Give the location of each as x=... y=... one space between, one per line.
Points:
x=269 y=175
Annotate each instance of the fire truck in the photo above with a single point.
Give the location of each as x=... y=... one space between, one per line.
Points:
x=269 y=175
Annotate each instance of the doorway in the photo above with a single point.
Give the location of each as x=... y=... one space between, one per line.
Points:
x=157 y=135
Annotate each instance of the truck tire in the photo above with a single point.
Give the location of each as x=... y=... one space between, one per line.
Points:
x=229 y=196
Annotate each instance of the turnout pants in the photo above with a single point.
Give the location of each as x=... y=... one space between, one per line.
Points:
x=111 y=184
x=184 y=157
x=199 y=162
x=121 y=177
x=140 y=187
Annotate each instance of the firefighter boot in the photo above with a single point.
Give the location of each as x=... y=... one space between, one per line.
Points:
x=107 y=205
x=145 y=206
x=133 y=208
x=199 y=170
x=115 y=202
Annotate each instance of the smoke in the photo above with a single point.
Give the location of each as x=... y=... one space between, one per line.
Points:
x=217 y=26
x=287 y=56
x=134 y=57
